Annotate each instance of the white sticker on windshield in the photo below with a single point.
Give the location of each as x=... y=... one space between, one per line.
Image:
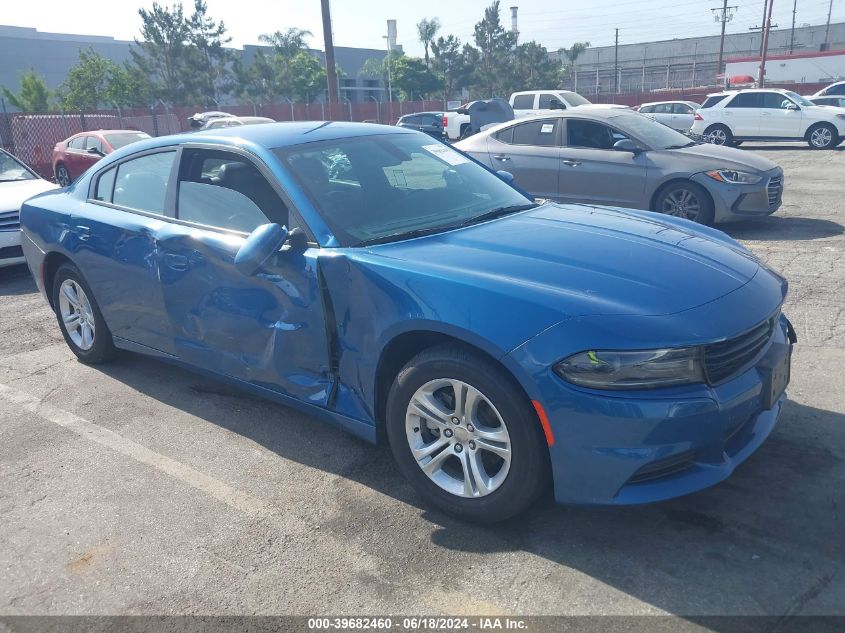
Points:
x=446 y=153
x=547 y=128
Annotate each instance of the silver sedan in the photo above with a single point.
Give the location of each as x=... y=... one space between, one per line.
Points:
x=624 y=159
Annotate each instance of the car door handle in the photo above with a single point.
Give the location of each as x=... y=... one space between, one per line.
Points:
x=84 y=232
x=502 y=157
x=176 y=262
x=570 y=162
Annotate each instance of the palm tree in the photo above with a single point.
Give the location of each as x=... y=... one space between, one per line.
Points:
x=288 y=42
x=572 y=53
x=427 y=30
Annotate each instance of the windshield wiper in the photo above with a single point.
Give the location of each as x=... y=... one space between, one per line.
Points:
x=690 y=144
x=429 y=230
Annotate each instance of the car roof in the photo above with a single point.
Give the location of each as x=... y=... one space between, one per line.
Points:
x=670 y=101
x=743 y=90
x=276 y=135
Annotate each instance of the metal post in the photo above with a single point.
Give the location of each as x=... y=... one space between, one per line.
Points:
x=694 y=59
x=767 y=26
x=378 y=108
x=8 y=126
x=642 y=81
x=616 y=64
x=389 y=78
x=331 y=73
x=668 y=66
x=598 y=56
x=827 y=27
x=792 y=31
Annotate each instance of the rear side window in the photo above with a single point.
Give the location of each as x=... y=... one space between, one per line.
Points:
x=681 y=108
x=746 y=100
x=226 y=191
x=506 y=135
x=105 y=185
x=709 y=102
x=540 y=133
x=523 y=102
x=141 y=183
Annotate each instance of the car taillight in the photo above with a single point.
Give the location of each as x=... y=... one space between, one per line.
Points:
x=445 y=120
x=698 y=117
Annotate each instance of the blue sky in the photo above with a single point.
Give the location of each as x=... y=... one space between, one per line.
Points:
x=363 y=22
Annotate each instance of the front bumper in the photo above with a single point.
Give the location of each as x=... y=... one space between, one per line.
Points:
x=616 y=448
x=741 y=202
x=10 y=248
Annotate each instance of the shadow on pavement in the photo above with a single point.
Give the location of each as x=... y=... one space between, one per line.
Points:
x=16 y=280
x=766 y=541
x=776 y=228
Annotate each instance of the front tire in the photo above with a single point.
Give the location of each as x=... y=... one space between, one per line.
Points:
x=718 y=135
x=80 y=319
x=685 y=199
x=465 y=435
x=822 y=136
x=62 y=175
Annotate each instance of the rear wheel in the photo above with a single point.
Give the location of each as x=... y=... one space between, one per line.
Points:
x=62 y=175
x=718 y=135
x=79 y=316
x=822 y=136
x=686 y=200
x=465 y=436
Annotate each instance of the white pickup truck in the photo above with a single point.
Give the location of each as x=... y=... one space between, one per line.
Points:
x=455 y=125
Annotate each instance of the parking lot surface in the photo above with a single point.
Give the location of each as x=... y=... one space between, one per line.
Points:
x=136 y=487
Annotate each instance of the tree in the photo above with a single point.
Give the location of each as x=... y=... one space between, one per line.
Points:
x=495 y=45
x=412 y=77
x=308 y=77
x=88 y=82
x=426 y=30
x=287 y=43
x=210 y=58
x=129 y=87
x=33 y=96
x=571 y=54
x=163 y=52
x=533 y=68
x=449 y=63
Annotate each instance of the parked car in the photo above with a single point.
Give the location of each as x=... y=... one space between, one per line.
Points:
x=497 y=344
x=429 y=122
x=733 y=116
x=837 y=88
x=836 y=102
x=625 y=159
x=676 y=114
x=17 y=183
x=455 y=125
x=72 y=156
x=234 y=121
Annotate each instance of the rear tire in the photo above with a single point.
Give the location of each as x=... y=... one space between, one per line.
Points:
x=718 y=135
x=685 y=199
x=822 y=136
x=80 y=319
x=62 y=175
x=486 y=461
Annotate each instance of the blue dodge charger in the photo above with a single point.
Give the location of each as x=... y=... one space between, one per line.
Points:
x=383 y=281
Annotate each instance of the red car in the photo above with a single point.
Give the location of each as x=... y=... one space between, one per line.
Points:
x=74 y=155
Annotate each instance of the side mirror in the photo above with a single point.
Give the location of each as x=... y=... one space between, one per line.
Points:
x=505 y=175
x=95 y=151
x=261 y=245
x=626 y=145
x=792 y=106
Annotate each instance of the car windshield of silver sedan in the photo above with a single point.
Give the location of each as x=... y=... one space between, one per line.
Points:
x=655 y=135
x=388 y=187
x=12 y=170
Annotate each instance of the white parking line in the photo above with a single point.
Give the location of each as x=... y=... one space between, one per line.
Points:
x=215 y=488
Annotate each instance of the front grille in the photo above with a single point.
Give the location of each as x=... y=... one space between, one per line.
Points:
x=774 y=190
x=11 y=251
x=724 y=359
x=663 y=467
x=10 y=220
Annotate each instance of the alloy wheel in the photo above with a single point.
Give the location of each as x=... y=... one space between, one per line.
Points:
x=76 y=314
x=821 y=137
x=681 y=203
x=458 y=438
x=717 y=137
x=62 y=176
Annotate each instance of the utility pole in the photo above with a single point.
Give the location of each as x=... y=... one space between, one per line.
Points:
x=827 y=27
x=792 y=32
x=767 y=26
x=763 y=25
x=331 y=73
x=642 y=81
x=694 y=60
x=616 y=64
x=723 y=15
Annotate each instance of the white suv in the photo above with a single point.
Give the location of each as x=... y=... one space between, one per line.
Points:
x=733 y=116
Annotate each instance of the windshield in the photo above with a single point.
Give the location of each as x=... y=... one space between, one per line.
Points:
x=11 y=169
x=575 y=99
x=655 y=135
x=799 y=99
x=121 y=140
x=384 y=187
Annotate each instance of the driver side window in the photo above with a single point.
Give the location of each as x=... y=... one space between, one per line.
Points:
x=583 y=133
x=226 y=191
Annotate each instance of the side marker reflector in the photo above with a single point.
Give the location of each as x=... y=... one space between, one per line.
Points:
x=544 y=422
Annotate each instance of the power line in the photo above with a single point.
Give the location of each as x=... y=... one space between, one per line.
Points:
x=725 y=17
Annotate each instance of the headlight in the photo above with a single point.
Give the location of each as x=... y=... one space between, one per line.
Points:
x=734 y=177
x=645 y=369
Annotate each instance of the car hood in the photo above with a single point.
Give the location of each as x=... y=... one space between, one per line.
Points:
x=13 y=194
x=720 y=157
x=580 y=260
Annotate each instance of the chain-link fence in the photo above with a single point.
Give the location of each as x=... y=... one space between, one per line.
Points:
x=32 y=136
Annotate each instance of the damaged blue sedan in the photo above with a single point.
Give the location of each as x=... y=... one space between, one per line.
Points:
x=387 y=283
